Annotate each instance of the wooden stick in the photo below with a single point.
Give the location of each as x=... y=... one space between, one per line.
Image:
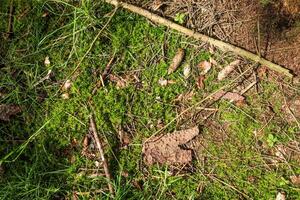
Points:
x=220 y=44
x=102 y=157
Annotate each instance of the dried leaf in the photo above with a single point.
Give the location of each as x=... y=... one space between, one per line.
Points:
x=228 y=69
x=120 y=82
x=204 y=67
x=280 y=196
x=167 y=149
x=176 y=61
x=185 y=97
x=67 y=85
x=186 y=71
x=7 y=111
x=47 y=61
x=164 y=82
x=295 y=179
x=232 y=96
x=200 y=82
x=65 y=96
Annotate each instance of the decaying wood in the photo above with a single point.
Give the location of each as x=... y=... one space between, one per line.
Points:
x=220 y=44
x=102 y=157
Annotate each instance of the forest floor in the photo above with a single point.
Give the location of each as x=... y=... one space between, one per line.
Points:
x=52 y=57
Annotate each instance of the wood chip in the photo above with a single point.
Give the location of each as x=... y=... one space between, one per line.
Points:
x=176 y=61
x=228 y=69
x=166 y=149
x=7 y=111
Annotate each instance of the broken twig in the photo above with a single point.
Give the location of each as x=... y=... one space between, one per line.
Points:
x=102 y=157
x=220 y=44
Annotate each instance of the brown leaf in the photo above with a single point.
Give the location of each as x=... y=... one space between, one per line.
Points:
x=200 y=82
x=232 y=96
x=119 y=81
x=204 y=67
x=228 y=69
x=295 y=179
x=166 y=149
x=176 y=61
x=7 y=111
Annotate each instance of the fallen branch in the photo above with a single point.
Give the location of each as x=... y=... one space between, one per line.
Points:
x=102 y=157
x=220 y=44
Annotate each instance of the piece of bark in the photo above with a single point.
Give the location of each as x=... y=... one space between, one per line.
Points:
x=167 y=149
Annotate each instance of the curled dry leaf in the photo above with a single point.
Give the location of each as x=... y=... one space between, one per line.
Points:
x=204 y=67
x=186 y=70
x=7 y=111
x=176 y=61
x=47 y=61
x=280 y=196
x=232 y=96
x=167 y=149
x=67 y=85
x=65 y=96
x=165 y=82
x=200 y=82
x=120 y=82
x=228 y=69
x=295 y=179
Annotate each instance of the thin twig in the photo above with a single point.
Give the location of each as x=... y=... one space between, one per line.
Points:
x=104 y=75
x=220 y=44
x=102 y=157
x=10 y=20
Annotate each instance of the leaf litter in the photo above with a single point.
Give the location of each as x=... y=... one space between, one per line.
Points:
x=8 y=111
x=168 y=149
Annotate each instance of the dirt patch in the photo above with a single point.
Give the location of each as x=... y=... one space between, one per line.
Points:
x=271 y=29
